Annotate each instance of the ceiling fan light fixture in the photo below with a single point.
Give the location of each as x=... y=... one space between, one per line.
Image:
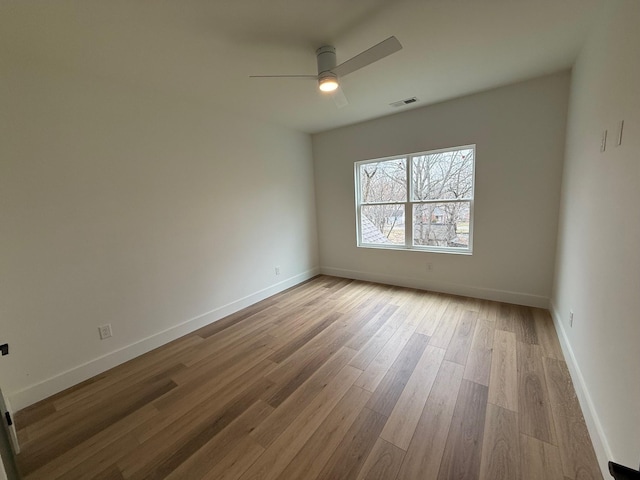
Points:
x=328 y=83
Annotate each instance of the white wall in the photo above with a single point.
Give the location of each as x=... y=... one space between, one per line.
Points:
x=519 y=131
x=598 y=262
x=124 y=206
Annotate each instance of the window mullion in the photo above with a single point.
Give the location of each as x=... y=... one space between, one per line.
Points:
x=382 y=203
x=408 y=212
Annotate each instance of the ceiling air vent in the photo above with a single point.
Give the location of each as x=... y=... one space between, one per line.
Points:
x=402 y=103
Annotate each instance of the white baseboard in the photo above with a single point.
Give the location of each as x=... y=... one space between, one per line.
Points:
x=442 y=287
x=40 y=391
x=598 y=438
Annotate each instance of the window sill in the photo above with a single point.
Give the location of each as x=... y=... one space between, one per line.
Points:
x=450 y=251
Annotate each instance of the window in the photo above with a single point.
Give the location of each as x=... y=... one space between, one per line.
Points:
x=421 y=201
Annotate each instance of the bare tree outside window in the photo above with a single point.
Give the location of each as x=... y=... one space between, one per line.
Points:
x=421 y=201
x=442 y=176
x=384 y=188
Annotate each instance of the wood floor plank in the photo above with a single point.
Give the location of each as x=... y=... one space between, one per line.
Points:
x=33 y=414
x=576 y=450
x=483 y=334
x=187 y=438
x=236 y=318
x=446 y=326
x=298 y=294
x=406 y=414
x=533 y=399
x=426 y=448
x=281 y=333
x=236 y=462
x=83 y=408
x=372 y=348
x=383 y=462
x=304 y=338
x=291 y=320
x=287 y=411
x=488 y=310
x=376 y=323
x=229 y=341
x=478 y=368
x=306 y=369
x=503 y=384
x=386 y=395
x=333 y=379
x=500 y=445
x=462 y=452
x=245 y=319
x=349 y=457
x=546 y=333
x=245 y=355
x=505 y=319
x=539 y=460
x=359 y=296
x=377 y=369
x=460 y=343
x=437 y=311
x=525 y=326
x=428 y=321
x=333 y=337
x=109 y=440
x=311 y=459
x=98 y=465
x=112 y=473
x=365 y=313
x=278 y=455
x=66 y=436
x=470 y=303
x=154 y=363
x=187 y=408
x=213 y=451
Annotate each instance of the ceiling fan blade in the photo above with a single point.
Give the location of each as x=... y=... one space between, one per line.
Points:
x=283 y=76
x=339 y=98
x=373 y=54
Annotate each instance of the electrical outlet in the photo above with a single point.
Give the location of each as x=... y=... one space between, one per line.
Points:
x=571 y=318
x=105 y=331
x=277 y=269
x=429 y=266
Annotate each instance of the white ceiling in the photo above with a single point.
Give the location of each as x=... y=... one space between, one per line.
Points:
x=207 y=49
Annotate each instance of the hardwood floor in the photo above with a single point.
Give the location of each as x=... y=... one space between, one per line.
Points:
x=333 y=379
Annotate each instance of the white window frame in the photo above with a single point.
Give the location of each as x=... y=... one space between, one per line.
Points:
x=409 y=204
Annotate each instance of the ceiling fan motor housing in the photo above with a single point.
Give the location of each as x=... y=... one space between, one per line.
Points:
x=326 y=61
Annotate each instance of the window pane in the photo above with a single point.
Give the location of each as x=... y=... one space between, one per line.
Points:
x=441 y=224
x=443 y=175
x=384 y=181
x=382 y=224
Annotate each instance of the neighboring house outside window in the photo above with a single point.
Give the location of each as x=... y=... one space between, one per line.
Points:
x=420 y=201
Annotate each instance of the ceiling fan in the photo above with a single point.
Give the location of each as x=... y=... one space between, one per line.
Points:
x=329 y=72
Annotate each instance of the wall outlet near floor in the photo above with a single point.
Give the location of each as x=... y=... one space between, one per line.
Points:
x=429 y=266
x=277 y=269
x=571 y=318
x=105 y=331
